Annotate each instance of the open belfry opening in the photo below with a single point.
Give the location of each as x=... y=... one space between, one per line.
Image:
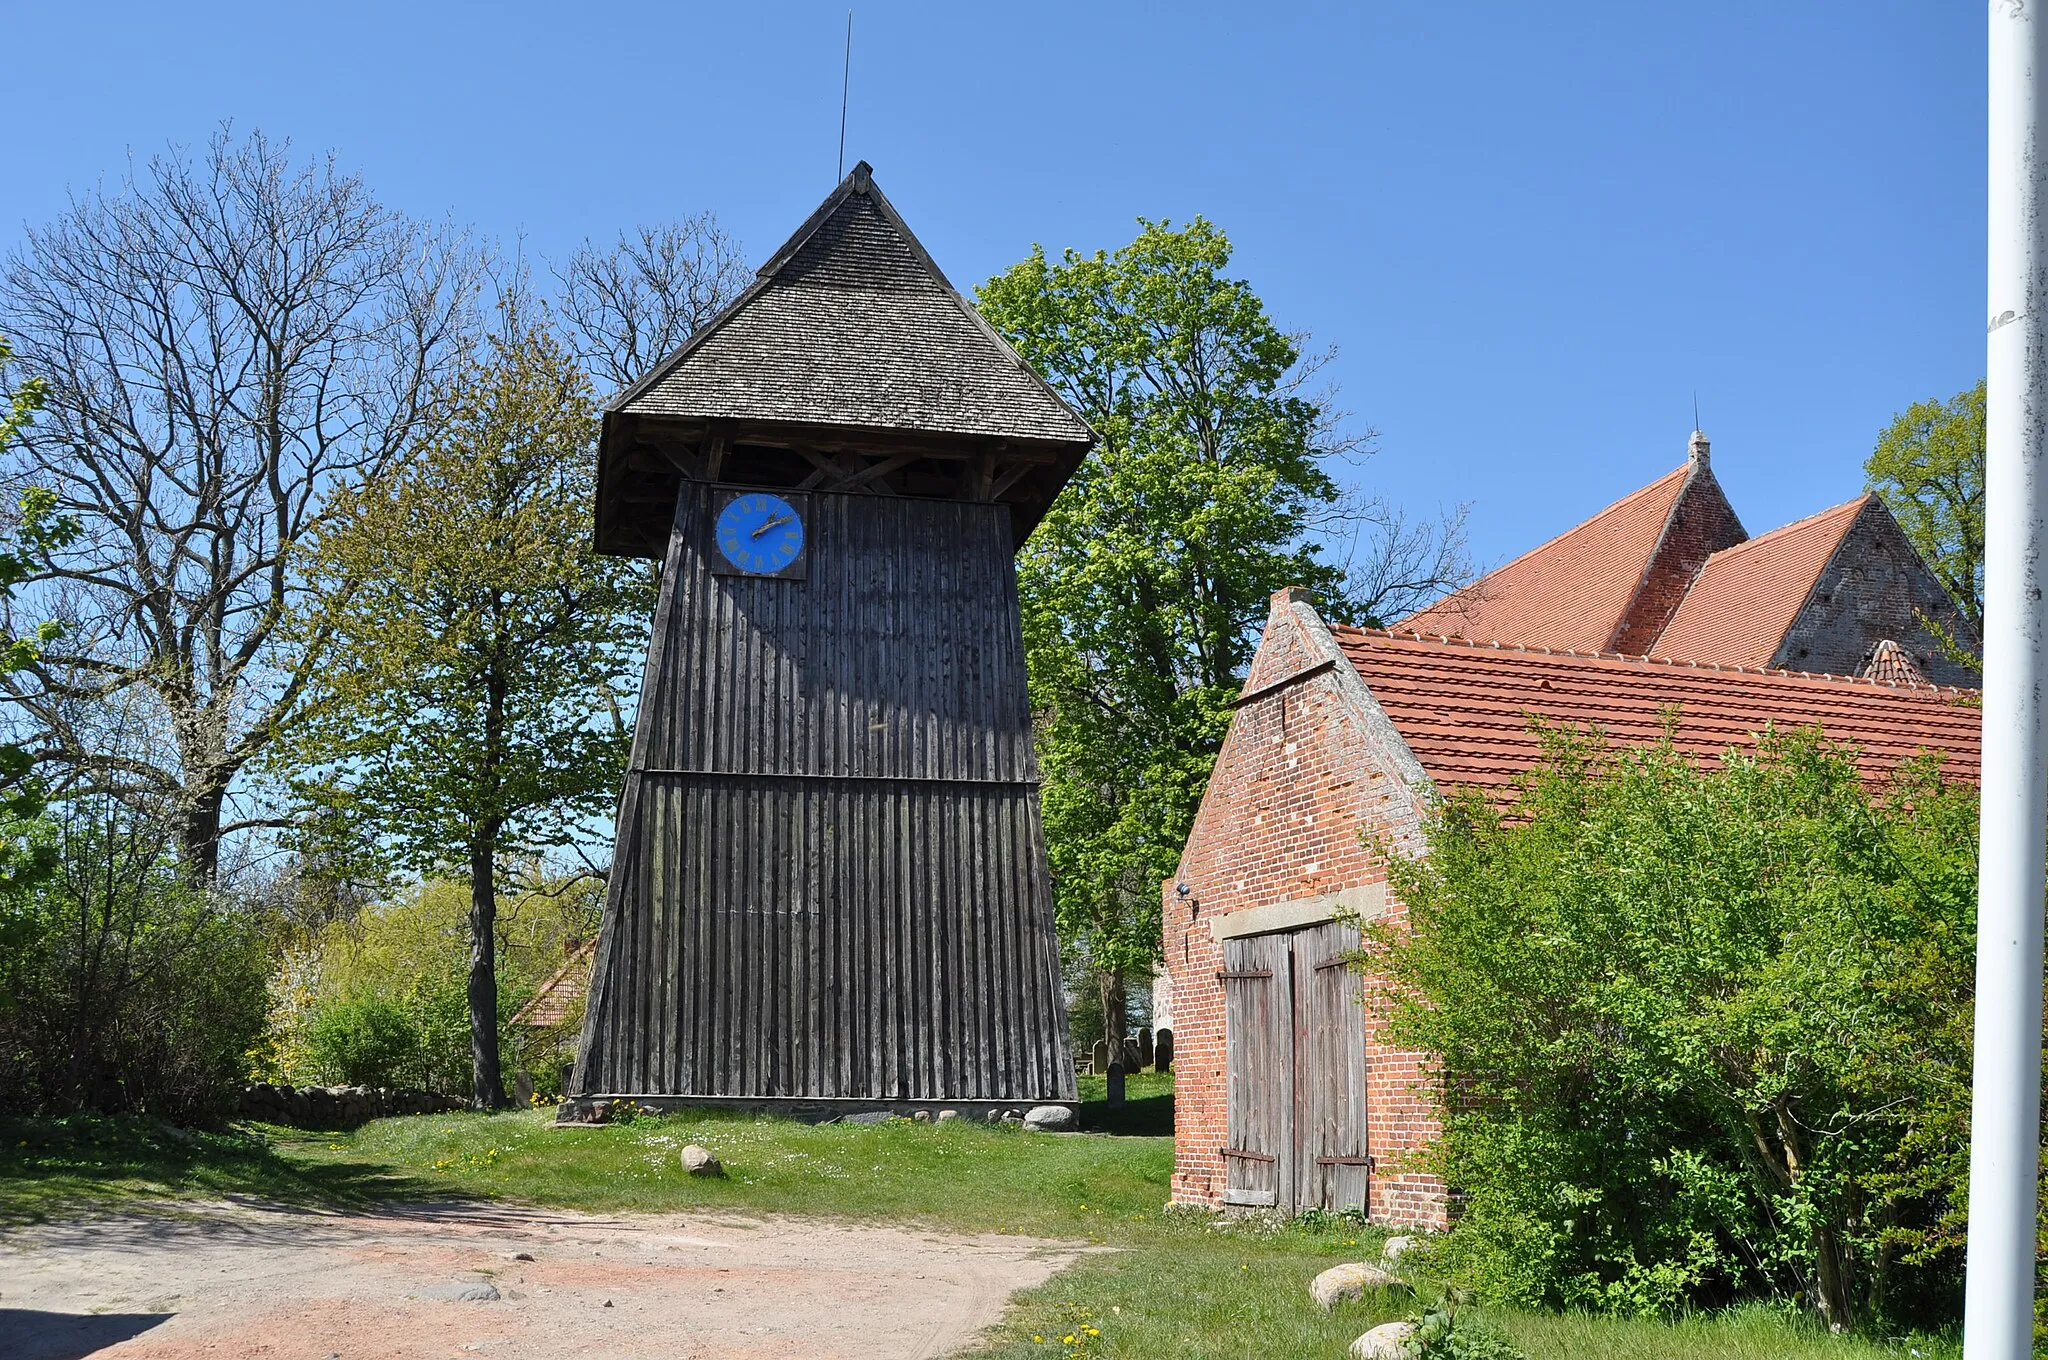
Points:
x=829 y=888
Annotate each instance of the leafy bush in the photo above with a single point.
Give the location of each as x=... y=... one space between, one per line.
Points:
x=1707 y=1028
x=124 y=987
x=364 y=1041
x=402 y=965
x=1438 y=1335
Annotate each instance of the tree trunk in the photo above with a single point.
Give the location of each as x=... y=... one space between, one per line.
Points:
x=199 y=834
x=1109 y=987
x=1832 y=1279
x=1831 y=1282
x=486 y=1080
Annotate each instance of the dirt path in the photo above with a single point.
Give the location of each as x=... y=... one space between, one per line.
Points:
x=231 y=1281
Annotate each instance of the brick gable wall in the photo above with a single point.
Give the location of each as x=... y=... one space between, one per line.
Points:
x=1307 y=766
x=1701 y=524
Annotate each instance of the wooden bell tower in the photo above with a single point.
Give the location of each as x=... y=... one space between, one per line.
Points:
x=829 y=890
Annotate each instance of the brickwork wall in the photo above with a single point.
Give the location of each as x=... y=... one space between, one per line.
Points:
x=1701 y=524
x=1302 y=772
x=1870 y=591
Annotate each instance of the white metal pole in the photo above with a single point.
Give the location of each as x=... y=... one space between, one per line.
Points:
x=2005 y=1110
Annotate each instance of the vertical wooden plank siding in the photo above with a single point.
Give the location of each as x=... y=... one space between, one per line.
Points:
x=830 y=877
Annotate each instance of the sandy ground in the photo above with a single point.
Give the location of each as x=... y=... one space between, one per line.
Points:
x=237 y=1280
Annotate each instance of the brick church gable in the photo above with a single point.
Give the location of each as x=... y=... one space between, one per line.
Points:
x=1669 y=572
x=1609 y=584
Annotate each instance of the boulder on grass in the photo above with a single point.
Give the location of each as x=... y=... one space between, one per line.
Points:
x=1349 y=1283
x=1384 y=1342
x=1049 y=1118
x=1396 y=1247
x=699 y=1161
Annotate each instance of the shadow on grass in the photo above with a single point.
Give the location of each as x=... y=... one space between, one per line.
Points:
x=1147 y=1111
x=50 y=1167
x=1143 y=1117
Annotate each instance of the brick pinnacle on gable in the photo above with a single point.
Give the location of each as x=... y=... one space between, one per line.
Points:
x=1697 y=450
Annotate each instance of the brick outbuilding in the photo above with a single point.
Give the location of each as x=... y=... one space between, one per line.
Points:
x=1288 y=1093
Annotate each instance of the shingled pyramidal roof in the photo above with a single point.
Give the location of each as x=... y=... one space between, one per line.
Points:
x=850 y=338
x=852 y=323
x=1669 y=572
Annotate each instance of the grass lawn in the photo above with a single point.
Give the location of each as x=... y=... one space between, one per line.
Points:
x=1177 y=1284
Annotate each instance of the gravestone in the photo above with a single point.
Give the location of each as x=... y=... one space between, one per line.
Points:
x=1098 y=1057
x=522 y=1089
x=1144 y=1048
x=1162 y=1051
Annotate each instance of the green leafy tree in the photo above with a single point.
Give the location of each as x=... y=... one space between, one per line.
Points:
x=1928 y=467
x=38 y=530
x=1142 y=589
x=482 y=653
x=1706 y=1026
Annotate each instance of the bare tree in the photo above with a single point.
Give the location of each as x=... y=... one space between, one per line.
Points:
x=630 y=305
x=1395 y=562
x=227 y=340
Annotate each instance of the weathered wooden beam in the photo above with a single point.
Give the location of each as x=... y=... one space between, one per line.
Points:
x=1009 y=479
x=877 y=470
x=716 y=441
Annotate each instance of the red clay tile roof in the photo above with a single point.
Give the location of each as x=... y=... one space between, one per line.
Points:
x=558 y=996
x=1571 y=592
x=1745 y=599
x=1464 y=708
x=1893 y=665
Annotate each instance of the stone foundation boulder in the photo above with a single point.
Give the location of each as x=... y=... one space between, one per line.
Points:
x=333 y=1107
x=1349 y=1283
x=1384 y=1342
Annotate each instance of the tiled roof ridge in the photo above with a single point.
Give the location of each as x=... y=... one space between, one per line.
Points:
x=547 y=989
x=1682 y=472
x=1857 y=505
x=1671 y=663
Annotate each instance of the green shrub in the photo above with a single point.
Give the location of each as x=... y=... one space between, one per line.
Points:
x=364 y=1041
x=1438 y=1335
x=1707 y=1029
x=124 y=987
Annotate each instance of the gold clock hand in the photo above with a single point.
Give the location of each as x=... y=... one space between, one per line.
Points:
x=782 y=519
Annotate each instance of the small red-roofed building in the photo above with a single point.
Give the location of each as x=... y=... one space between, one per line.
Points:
x=1288 y=1093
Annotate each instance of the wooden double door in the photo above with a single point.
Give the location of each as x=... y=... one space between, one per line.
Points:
x=1294 y=1043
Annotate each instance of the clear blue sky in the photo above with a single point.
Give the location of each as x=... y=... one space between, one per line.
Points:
x=1532 y=232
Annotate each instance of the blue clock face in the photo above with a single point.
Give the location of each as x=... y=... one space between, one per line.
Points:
x=760 y=533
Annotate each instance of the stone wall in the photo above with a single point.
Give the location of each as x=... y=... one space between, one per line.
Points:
x=334 y=1107
x=1875 y=587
